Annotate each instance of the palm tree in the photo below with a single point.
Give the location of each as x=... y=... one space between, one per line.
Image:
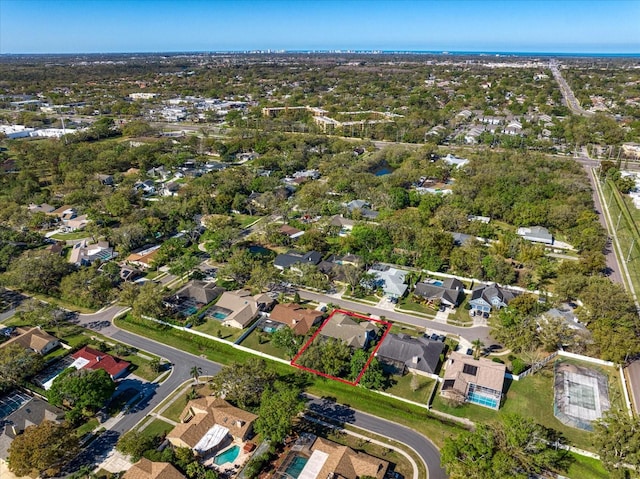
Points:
x=477 y=347
x=195 y=372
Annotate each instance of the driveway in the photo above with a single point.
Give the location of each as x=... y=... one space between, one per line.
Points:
x=475 y=332
x=182 y=364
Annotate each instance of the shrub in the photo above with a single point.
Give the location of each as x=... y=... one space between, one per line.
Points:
x=518 y=366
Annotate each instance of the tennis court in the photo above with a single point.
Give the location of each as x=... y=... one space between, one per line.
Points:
x=581 y=395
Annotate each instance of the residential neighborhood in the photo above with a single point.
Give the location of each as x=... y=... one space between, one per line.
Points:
x=318 y=264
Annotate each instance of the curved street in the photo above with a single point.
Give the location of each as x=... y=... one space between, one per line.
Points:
x=182 y=364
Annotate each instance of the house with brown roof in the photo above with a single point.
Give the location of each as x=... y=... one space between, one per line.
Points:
x=146 y=469
x=290 y=232
x=298 y=318
x=476 y=381
x=355 y=334
x=144 y=257
x=242 y=307
x=331 y=460
x=209 y=423
x=35 y=339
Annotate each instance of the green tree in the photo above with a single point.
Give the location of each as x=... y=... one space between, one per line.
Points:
x=83 y=389
x=148 y=302
x=17 y=364
x=617 y=441
x=134 y=444
x=195 y=373
x=285 y=339
x=279 y=405
x=477 y=347
x=243 y=383
x=43 y=450
x=38 y=271
x=514 y=448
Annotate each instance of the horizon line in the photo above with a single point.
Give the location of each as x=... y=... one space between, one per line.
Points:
x=346 y=51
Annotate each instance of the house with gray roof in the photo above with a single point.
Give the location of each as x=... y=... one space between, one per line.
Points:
x=31 y=413
x=486 y=298
x=400 y=353
x=291 y=258
x=536 y=234
x=449 y=292
x=355 y=334
x=391 y=280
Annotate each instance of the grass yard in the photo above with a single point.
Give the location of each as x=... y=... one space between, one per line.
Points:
x=175 y=409
x=76 y=336
x=461 y=316
x=531 y=397
x=74 y=235
x=87 y=427
x=141 y=366
x=157 y=427
x=399 y=328
x=402 y=388
x=402 y=413
x=216 y=329
x=586 y=468
x=367 y=299
x=245 y=220
x=253 y=341
x=409 y=303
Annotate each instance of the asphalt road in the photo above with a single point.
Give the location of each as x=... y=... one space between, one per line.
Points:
x=569 y=97
x=476 y=332
x=182 y=364
x=614 y=270
x=346 y=415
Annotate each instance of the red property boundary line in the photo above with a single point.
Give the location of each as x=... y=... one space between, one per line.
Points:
x=371 y=356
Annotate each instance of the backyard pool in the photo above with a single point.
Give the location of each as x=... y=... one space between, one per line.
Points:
x=219 y=315
x=296 y=466
x=229 y=455
x=437 y=282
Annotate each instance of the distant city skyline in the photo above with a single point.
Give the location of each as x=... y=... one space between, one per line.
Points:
x=122 y=26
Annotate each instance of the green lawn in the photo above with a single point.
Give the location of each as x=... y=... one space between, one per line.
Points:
x=157 y=427
x=216 y=329
x=174 y=411
x=253 y=341
x=531 y=397
x=399 y=328
x=409 y=303
x=585 y=468
x=402 y=388
x=461 y=315
x=75 y=235
x=87 y=427
x=627 y=231
x=397 y=411
x=141 y=366
x=369 y=298
x=245 y=220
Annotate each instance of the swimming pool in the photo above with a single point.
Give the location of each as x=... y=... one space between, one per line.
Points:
x=219 y=315
x=482 y=400
x=229 y=455
x=12 y=403
x=437 y=282
x=296 y=466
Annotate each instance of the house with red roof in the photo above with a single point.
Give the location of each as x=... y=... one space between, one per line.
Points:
x=89 y=358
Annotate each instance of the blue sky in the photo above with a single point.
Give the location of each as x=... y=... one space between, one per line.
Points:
x=82 y=26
